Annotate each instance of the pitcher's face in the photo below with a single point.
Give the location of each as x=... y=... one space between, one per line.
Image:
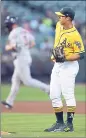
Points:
x=62 y=19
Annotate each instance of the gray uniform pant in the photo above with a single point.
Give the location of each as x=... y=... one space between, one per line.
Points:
x=22 y=73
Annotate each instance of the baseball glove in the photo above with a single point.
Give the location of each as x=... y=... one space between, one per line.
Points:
x=58 y=54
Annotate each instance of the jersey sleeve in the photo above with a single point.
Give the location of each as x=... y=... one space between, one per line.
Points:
x=78 y=45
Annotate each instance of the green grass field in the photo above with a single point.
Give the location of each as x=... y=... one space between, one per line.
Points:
x=33 y=125
x=34 y=94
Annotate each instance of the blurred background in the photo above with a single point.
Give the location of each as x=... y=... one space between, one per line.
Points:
x=39 y=18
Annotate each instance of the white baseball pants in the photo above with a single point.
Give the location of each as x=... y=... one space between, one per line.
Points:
x=63 y=83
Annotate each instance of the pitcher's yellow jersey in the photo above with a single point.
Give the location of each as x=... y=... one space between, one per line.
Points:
x=70 y=39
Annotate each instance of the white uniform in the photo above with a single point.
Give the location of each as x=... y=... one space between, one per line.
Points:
x=22 y=38
x=63 y=83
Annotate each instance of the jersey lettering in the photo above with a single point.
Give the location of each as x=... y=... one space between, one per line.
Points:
x=24 y=35
x=65 y=44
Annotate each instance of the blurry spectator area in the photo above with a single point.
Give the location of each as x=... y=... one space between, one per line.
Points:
x=38 y=17
x=46 y=45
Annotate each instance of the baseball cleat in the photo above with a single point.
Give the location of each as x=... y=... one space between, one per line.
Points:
x=6 y=104
x=68 y=127
x=57 y=127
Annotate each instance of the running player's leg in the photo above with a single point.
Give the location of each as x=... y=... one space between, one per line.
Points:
x=14 y=88
x=29 y=81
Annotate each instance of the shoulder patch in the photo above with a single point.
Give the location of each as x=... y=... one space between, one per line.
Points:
x=77 y=43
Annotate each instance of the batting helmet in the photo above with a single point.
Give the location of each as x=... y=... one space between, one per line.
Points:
x=9 y=21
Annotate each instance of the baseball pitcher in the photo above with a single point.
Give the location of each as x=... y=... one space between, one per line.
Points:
x=68 y=49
